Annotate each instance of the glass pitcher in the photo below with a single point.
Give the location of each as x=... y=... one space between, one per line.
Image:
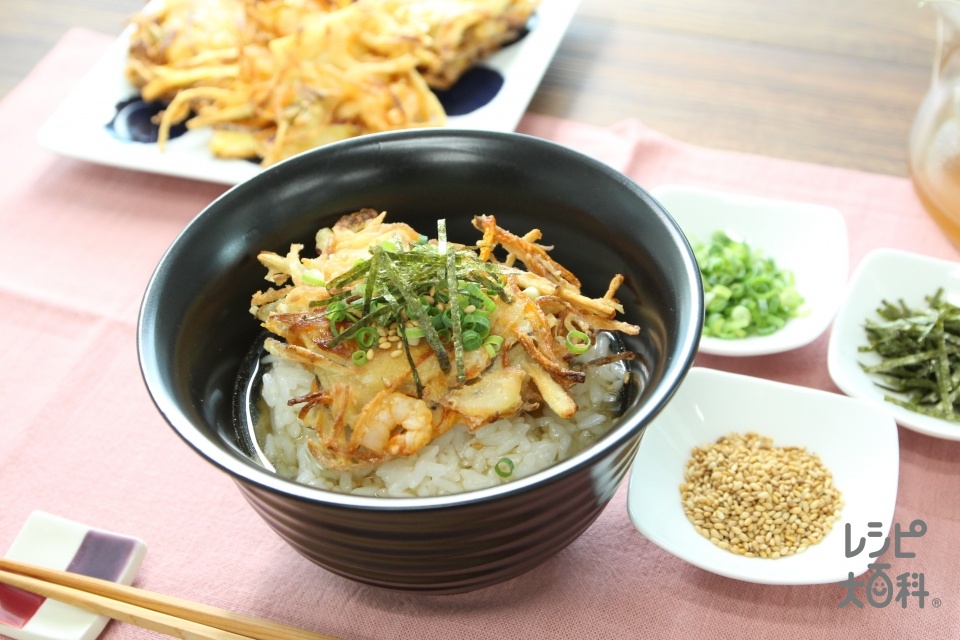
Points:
x=934 y=151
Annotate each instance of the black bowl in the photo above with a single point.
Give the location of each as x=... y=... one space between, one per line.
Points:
x=195 y=329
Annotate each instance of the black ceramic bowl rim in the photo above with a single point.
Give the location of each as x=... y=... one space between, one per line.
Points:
x=245 y=470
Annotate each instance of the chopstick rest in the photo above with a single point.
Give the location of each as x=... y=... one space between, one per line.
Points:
x=38 y=602
x=55 y=542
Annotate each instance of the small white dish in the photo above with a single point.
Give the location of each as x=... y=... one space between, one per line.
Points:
x=809 y=240
x=57 y=543
x=856 y=440
x=887 y=274
x=78 y=126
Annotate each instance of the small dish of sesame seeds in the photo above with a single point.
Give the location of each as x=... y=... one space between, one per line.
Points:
x=758 y=480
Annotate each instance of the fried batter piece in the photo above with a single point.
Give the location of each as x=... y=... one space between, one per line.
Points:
x=389 y=397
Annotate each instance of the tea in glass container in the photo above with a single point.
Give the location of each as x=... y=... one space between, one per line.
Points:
x=934 y=151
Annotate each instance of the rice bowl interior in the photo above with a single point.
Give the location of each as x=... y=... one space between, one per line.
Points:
x=537 y=377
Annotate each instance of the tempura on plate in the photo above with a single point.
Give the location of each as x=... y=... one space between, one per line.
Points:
x=272 y=78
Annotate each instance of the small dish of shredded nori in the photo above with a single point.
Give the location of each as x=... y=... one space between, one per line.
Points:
x=895 y=340
x=919 y=348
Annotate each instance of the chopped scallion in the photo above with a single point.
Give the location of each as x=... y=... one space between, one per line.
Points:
x=366 y=337
x=577 y=342
x=313 y=277
x=471 y=340
x=504 y=467
x=745 y=293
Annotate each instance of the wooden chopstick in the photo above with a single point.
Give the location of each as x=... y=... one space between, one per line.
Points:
x=165 y=614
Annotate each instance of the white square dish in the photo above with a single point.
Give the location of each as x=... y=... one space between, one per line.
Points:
x=808 y=240
x=856 y=440
x=892 y=275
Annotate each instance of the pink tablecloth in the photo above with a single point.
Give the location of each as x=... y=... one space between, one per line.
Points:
x=81 y=439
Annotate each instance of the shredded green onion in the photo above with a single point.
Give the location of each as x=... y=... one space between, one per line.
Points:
x=359 y=357
x=745 y=293
x=577 y=342
x=504 y=467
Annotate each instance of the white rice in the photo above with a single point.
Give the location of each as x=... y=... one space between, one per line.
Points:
x=458 y=460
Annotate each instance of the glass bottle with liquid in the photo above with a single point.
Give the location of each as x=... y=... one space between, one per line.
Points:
x=934 y=151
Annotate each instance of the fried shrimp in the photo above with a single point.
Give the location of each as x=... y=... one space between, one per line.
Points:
x=393 y=423
x=406 y=337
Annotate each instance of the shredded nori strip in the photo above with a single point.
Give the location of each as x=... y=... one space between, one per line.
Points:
x=371 y=319
x=920 y=355
x=410 y=283
x=411 y=363
x=342 y=295
x=455 y=316
x=371 y=282
x=350 y=276
x=413 y=303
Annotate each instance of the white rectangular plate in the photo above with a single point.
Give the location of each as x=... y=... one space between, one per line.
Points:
x=77 y=128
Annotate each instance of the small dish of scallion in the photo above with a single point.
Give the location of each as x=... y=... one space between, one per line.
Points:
x=896 y=339
x=773 y=271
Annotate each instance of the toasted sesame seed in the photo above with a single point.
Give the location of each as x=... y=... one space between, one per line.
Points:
x=757 y=500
